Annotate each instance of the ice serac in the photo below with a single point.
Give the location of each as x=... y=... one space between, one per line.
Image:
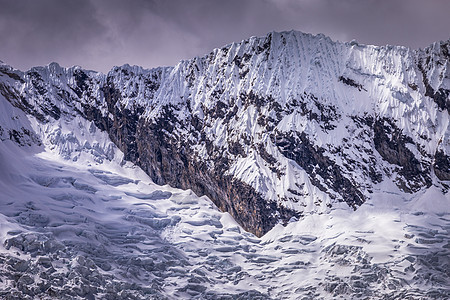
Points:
x=270 y=128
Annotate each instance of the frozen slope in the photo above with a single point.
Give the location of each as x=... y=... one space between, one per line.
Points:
x=78 y=222
x=270 y=128
x=346 y=145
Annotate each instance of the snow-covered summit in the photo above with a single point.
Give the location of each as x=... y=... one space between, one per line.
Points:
x=336 y=155
x=269 y=128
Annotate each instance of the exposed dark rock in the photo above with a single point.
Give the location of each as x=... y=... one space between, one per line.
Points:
x=218 y=111
x=442 y=165
x=50 y=109
x=37 y=82
x=17 y=100
x=413 y=86
x=441 y=96
x=8 y=72
x=253 y=99
x=351 y=82
x=314 y=109
x=82 y=82
x=23 y=137
x=298 y=148
x=94 y=114
x=236 y=148
x=123 y=128
x=391 y=143
x=266 y=156
x=442 y=99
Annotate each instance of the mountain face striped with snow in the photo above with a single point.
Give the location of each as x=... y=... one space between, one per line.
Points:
x=270 y=129
x=336 y=155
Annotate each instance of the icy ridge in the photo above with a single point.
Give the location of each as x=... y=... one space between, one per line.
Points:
x=257 y=100
x=88 y=228
x=294 y=63
x=79 y=222
x=353 y=80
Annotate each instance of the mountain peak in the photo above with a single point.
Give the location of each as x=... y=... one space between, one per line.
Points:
x=283 y=118
x=329 y=154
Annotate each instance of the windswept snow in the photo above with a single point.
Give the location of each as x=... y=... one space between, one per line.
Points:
x=77 y=222
x=78 y=230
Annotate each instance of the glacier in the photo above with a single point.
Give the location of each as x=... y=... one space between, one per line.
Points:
x=143 y=183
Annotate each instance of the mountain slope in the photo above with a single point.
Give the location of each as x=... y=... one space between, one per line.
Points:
x=78 y=222
x=270 y=128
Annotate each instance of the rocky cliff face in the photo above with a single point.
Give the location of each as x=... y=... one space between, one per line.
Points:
x=270 y=128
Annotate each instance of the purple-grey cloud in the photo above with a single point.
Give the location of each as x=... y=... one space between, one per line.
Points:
x=98 y=34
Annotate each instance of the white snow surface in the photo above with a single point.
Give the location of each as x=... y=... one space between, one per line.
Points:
x=79 y=222
x=288 y=67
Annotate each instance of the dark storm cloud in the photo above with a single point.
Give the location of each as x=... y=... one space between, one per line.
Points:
x=43 y=31
x=98 y=34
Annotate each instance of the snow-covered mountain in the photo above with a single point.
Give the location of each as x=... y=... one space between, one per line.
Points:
x=346 y=145
x=268 y=128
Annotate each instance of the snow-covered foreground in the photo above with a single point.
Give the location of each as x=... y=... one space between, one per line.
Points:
x=103 y=230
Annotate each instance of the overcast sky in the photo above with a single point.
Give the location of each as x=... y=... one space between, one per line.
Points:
x=98 y=34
